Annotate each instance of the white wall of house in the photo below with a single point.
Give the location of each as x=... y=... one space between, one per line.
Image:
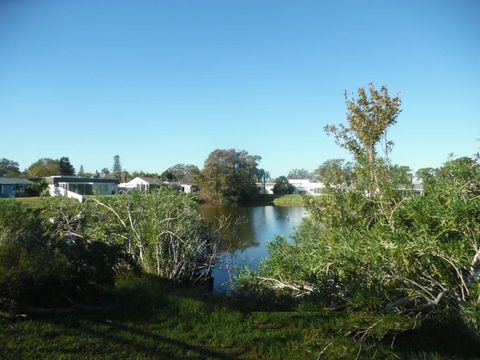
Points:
x=136 y=183
x=305 y=186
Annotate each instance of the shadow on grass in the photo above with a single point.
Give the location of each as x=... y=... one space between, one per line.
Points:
x=150 y=344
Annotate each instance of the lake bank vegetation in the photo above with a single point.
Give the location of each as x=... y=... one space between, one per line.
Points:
x=375 y=271
x=375 y=250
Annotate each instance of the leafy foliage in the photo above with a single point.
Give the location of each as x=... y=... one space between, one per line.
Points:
x=372 y=248
x=229 y=176
x=300 y=174
x=40 y=268
x=65 y=167
x=9 y=168
x=44 y=167
x=181 y=173
x=335 y=172
x=282 y=186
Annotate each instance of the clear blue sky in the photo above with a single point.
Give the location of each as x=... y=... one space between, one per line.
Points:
x=166 y=82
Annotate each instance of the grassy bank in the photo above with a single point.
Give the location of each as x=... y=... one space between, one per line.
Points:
x=154 y=319
x=289 y=200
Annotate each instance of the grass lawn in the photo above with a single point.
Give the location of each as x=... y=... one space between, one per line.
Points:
x=152 y=319
x=289 y=200
x=31 y=201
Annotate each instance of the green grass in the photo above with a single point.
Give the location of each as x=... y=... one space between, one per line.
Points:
x=31 y=201
x=289 y=200
x=152 y=319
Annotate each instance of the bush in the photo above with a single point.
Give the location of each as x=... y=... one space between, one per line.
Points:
x=370 y=248
x=38 y=267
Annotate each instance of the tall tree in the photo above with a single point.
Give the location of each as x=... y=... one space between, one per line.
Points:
x=65 y=167
x=81 y=172
x=263 y=176
x=369 y=117
x=300 y=174
x=117 y=167
x=229 y=176
x=9 y=168
x=44 y=167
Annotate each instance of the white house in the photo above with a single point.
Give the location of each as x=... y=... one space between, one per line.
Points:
x=302 y=186
x=77 y=186
x=306 y=187
x=141 y=183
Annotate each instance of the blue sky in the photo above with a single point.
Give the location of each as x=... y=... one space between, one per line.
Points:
x=166 y=82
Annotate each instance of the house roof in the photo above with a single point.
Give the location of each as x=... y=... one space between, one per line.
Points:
x=150 y=180
x=79 y=179
x=14 y=181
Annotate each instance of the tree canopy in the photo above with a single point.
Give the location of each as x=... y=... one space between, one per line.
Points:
x=282 y=186
x=335 y=172
x=229 y=176
x=44 y=167
x=65 y=167
x=300 y=174
x=182 y=173
x=9 y=168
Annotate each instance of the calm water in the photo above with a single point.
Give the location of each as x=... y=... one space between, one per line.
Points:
x=246 y=238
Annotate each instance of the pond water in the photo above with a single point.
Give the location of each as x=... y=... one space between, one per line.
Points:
x=247 y=235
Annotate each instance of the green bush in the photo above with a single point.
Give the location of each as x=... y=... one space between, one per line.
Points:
x=371 y=247
x=41 y=267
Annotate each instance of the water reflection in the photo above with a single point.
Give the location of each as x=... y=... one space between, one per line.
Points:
x=249 y=231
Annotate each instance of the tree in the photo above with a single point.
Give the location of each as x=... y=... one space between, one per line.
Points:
x=335 y=172
x=105 y=172
x=229 y=176
x=117 y=168
x=369 y=117
x=400 y=258
x=44 y=167
x=300 y=174
x=425 y=174
x=282 y=186
x=81 y=172
x=181 y=173
x=167 y=175
x=65 y=167
x=402 y=175
x=263 y=176
x=9 y=168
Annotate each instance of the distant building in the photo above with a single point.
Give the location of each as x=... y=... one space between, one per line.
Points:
x=77 y=187
x=144 y=184
x=306 y=187
x=141 y=183
x=13 y=187
x=302 y=186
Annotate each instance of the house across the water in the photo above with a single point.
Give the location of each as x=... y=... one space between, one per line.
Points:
x=141 y=183
x=302 y=186
x=63 y=185
x=145 y=184
x=13 y=187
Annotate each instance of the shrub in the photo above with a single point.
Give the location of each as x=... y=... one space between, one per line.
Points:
x=38 y=267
